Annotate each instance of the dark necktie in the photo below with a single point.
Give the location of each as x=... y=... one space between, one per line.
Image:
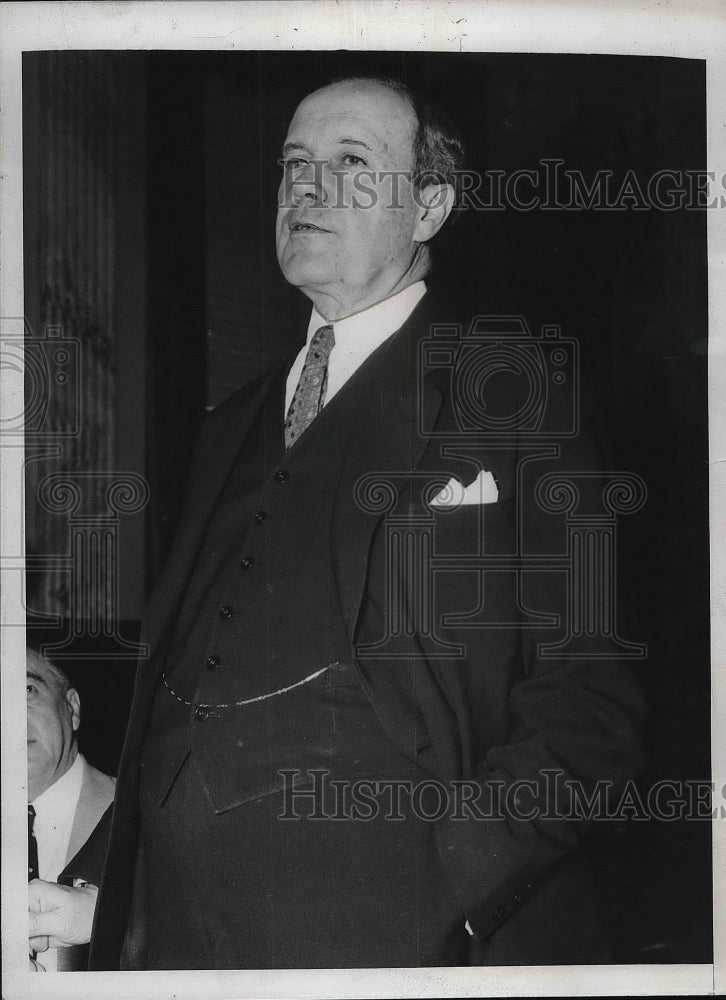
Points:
x=32 y=846
x=310 y=392
x=32 y=854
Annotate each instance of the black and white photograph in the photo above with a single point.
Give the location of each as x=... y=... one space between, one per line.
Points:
x=360 y=456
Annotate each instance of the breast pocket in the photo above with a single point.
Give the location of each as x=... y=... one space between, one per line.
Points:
x=475 y=529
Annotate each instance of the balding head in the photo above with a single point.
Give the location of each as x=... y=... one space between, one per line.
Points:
x=351 y=227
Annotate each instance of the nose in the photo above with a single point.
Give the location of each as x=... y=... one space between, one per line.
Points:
x=308 y=184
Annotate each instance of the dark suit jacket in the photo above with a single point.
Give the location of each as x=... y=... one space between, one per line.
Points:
x=496 y=712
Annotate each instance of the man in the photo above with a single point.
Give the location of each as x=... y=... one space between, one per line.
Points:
x=288 y=649
x=67 y=799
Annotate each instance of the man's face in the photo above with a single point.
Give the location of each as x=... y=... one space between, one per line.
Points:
x=345 y=233
x=53 y=718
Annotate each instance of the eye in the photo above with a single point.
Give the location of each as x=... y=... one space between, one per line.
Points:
x=31 y=688
x=292 y=162
x=353 y=160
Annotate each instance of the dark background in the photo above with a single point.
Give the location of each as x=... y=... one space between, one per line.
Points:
x=180 y=153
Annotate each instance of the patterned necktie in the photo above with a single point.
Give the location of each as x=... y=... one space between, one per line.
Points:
x=310 y=393
x=32 y=846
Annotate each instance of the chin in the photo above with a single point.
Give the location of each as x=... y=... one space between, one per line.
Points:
x=308 y=279
x=300 y=269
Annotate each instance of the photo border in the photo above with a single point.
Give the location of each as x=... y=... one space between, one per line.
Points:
x=676 y=29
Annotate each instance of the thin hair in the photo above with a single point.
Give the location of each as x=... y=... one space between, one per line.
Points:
x=438 y=152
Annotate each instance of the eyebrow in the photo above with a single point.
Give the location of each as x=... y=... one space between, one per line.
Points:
x=29 y=675
x=341 y=142
x=355 y=142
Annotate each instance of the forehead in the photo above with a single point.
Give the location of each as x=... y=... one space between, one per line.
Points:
x=41 y=671
x=368 y=112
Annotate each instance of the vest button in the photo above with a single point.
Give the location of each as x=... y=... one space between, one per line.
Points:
x=248 y=562
x=213 y=661
x=201 y=712
x=260 y=517
x=225 y=611
x=281 y=476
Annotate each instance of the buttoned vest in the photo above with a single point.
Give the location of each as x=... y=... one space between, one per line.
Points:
x=259 y=671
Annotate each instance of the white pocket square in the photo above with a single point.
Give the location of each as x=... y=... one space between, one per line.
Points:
x=484 y=489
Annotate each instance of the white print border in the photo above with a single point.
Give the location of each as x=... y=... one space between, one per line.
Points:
x=679 y=29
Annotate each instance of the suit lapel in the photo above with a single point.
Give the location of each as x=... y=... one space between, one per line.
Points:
x=391 y=406
x=96 y=796
x=83 y=820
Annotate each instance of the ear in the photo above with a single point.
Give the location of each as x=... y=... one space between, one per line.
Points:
x=74 y=703
x=435 y=202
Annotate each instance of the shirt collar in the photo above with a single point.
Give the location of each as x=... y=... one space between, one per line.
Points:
x=66 y=789
x=377 y=322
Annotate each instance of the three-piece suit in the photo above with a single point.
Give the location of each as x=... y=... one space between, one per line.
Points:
x=321 y=624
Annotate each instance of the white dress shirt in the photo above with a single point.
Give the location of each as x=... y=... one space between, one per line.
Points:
x=55 y=810
x=356 y=337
